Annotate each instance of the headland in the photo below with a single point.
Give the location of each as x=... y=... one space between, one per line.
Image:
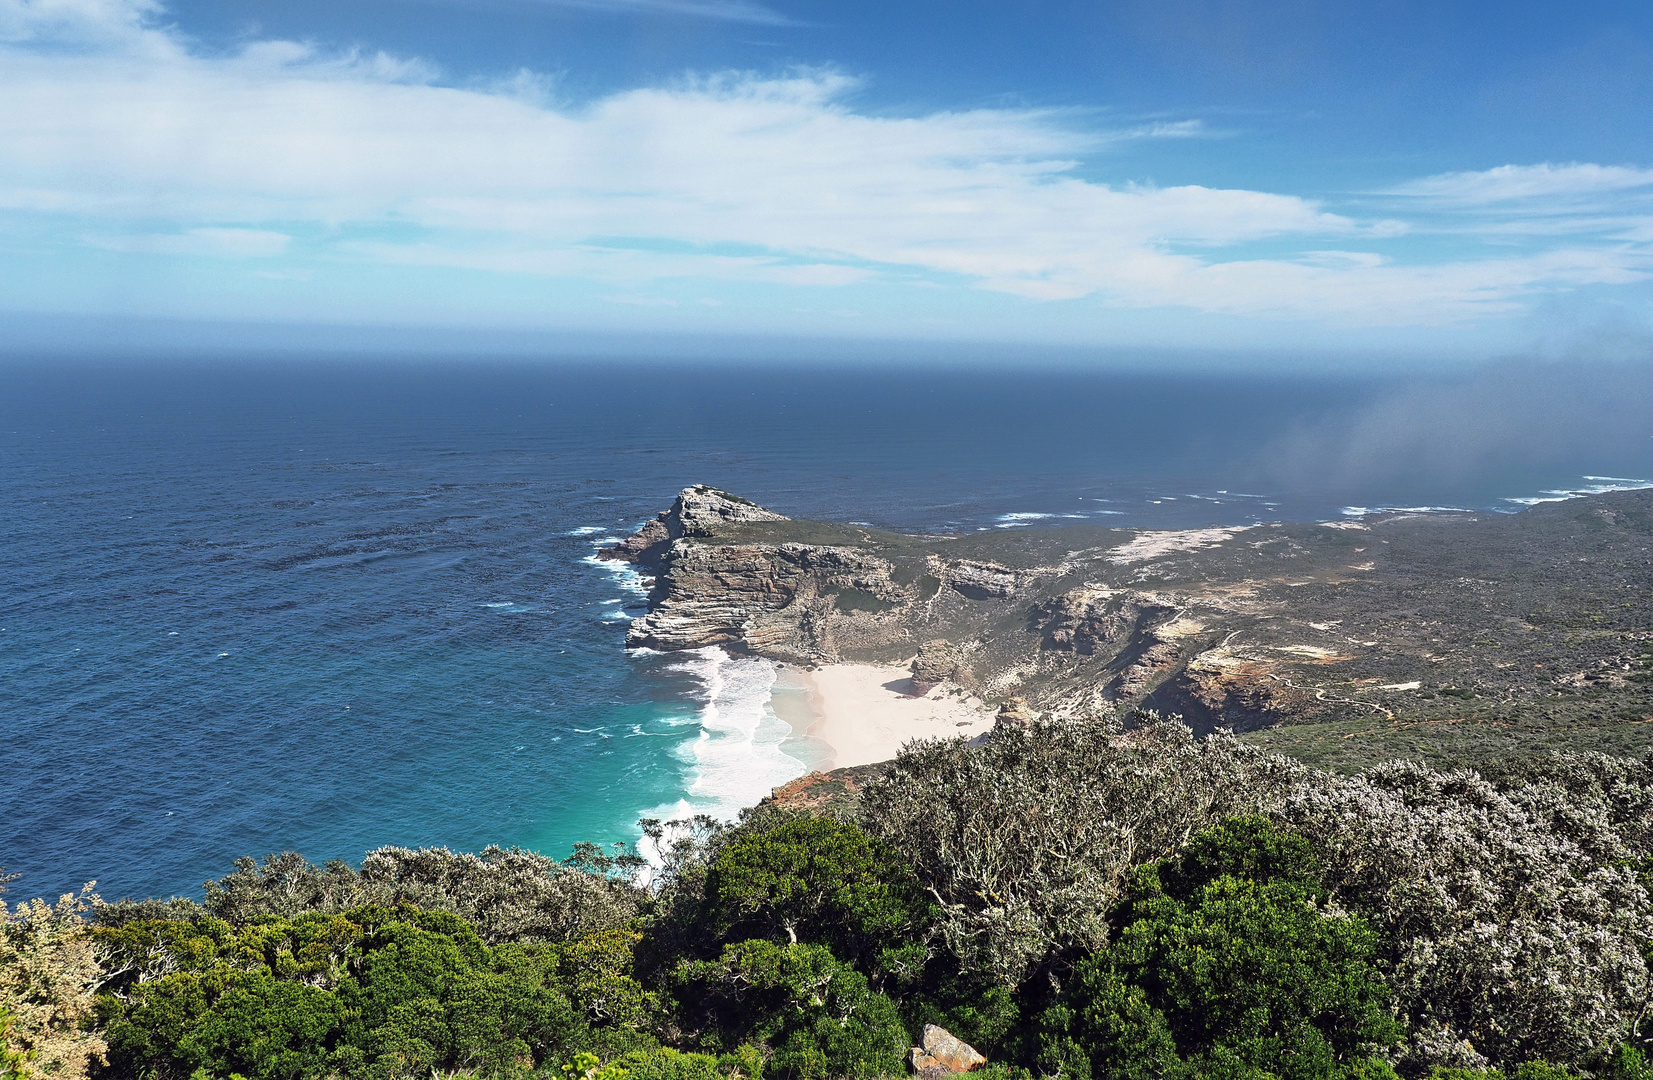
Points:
x=1439 y=636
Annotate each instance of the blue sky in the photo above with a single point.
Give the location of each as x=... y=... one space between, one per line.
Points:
x=1399 y=178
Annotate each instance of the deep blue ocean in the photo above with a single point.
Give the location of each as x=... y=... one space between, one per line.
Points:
x=331 y=605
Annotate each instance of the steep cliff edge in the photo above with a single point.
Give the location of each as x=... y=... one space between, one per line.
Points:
x=1331 y=641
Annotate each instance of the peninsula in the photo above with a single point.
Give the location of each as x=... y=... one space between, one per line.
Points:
x=1444 y=637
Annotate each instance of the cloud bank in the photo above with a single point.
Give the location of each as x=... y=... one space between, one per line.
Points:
x=122 y=137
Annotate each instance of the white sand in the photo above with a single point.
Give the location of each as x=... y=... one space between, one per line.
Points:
x=862 y=713
x=1151 y=545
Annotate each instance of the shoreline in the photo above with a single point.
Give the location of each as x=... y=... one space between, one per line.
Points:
x=857 y=714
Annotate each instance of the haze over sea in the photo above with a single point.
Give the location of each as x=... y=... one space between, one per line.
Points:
x=330 y=606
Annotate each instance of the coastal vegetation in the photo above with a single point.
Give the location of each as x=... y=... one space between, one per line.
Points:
x=1073 y=899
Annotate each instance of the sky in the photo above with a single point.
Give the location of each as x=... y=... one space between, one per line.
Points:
x=1387 y=177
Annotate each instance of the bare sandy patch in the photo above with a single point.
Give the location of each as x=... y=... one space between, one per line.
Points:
x=864 y=713
x=1151 y=545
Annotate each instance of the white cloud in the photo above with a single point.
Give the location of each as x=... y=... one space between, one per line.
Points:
x=1513 y=183
x=77 y=21
x=214 y=243
x=742 y=11
x=730 y=178
x=1170 y=129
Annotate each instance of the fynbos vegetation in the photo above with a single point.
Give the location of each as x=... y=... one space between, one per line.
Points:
x=1072 y=900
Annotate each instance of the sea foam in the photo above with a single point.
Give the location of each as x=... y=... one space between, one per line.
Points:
x=737 y=758
x=1596 y=485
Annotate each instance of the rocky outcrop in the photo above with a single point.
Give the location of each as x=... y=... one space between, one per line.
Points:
x=1220 y=690
x=1095 y=619
x=776 y=599
x=938 y=662
x=1015 y=713
x=735 y=594
x=1148 y=663
x=943 y=1054
x=697 y=511
x=700 y=510
x=981 y=580
x=826 y=792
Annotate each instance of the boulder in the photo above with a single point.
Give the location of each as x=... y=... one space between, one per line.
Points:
x=944 y=1054
x=1015 y=713
x=936 y=663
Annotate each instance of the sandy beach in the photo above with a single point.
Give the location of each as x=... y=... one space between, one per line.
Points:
x=856 y=714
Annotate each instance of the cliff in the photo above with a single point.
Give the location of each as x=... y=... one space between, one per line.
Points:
x=1440 y=635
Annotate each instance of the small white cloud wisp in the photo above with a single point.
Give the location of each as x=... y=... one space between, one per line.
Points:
x=739 y=11
x=117 y=128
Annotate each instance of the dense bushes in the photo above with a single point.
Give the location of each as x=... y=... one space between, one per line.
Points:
x=368 y=992
x=1509 y=918
x=1229 y=961
x=1074 y=900
x=816 y=1013
x=507 y=894
x=47 y=973
x=1029 y=840
x=1512 y=923
x=819 y=881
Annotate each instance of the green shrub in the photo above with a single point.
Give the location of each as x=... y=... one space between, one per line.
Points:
x=1626 y=1062
x=817 y=1016
x=664 y=1063
x=373 y=991
x=1532 y=1070
x=1228 y=963
x=819 y=882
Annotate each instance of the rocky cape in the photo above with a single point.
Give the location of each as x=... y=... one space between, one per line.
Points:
x=1446 y=636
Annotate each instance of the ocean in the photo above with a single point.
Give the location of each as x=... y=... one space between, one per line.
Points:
x=333 y=604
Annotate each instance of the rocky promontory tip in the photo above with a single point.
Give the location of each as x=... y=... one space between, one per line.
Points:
x=698 y=510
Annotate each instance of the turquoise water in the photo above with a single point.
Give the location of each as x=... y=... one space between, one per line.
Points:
x=330 y=606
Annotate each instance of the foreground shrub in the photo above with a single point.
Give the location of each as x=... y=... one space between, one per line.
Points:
x=47 y=974
x=1230 y=962
x=1029 y=840
x=372 y=991
x=665 y=1063
x=816 y=1016
x=818 y=881
x=1512 y=923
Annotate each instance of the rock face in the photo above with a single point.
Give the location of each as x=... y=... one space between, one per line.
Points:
x=768 y=598
x=980 y=580
x=1092 y=619
x=1216 y=690
x=1015 y=713
x=943 y=1054
x=698 y=511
